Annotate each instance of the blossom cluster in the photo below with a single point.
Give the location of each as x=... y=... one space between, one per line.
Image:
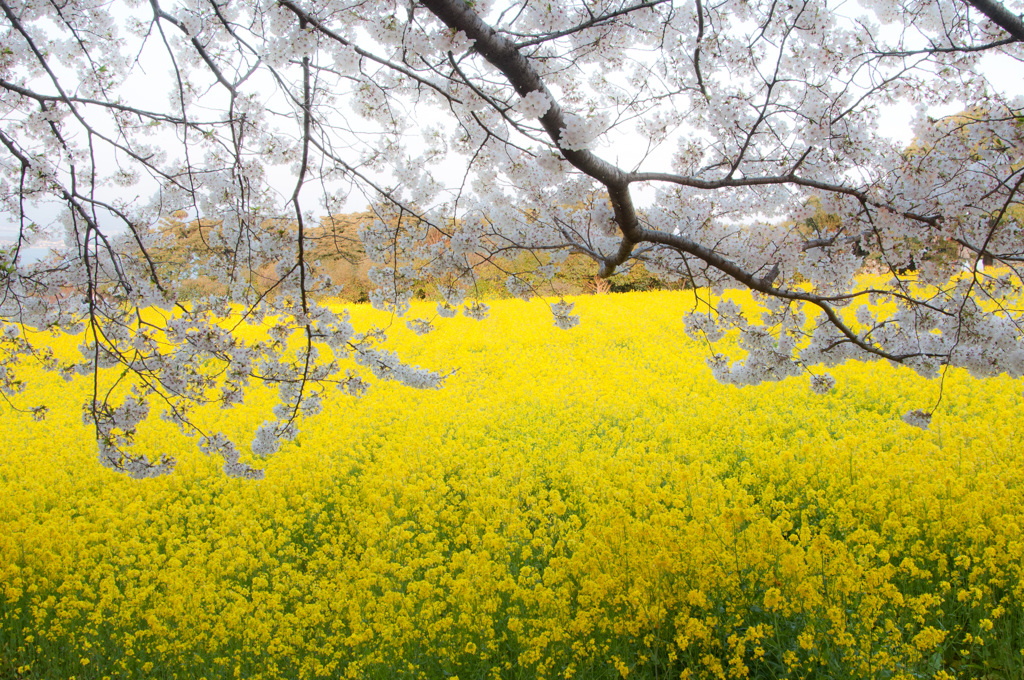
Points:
x=534 y=105
x=580 y=131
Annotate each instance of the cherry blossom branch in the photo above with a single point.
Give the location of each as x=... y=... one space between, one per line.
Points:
x=590 y=23
x=325 y=30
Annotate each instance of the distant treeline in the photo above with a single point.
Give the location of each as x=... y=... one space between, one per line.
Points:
x=333 y=247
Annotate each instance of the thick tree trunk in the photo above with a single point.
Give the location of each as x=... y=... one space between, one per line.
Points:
x=995 y=11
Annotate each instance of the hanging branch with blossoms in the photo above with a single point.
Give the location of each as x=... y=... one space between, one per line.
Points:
x=718 y=143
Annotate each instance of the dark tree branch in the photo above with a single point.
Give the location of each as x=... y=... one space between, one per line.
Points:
x=696 y=50
x=1001 y=16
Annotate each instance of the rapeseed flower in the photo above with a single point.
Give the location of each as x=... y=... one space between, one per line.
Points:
x=571 y=504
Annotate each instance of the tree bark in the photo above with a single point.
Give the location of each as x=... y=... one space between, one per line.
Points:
x=1006 y=20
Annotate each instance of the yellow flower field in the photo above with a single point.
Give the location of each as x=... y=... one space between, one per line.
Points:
x=581 y=504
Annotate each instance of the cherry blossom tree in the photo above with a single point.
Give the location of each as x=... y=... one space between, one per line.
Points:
x=699 y=138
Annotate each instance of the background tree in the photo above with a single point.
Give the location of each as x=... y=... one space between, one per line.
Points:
x=476 y=131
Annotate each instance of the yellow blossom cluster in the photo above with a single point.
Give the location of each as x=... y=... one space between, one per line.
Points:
x=573 y=504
